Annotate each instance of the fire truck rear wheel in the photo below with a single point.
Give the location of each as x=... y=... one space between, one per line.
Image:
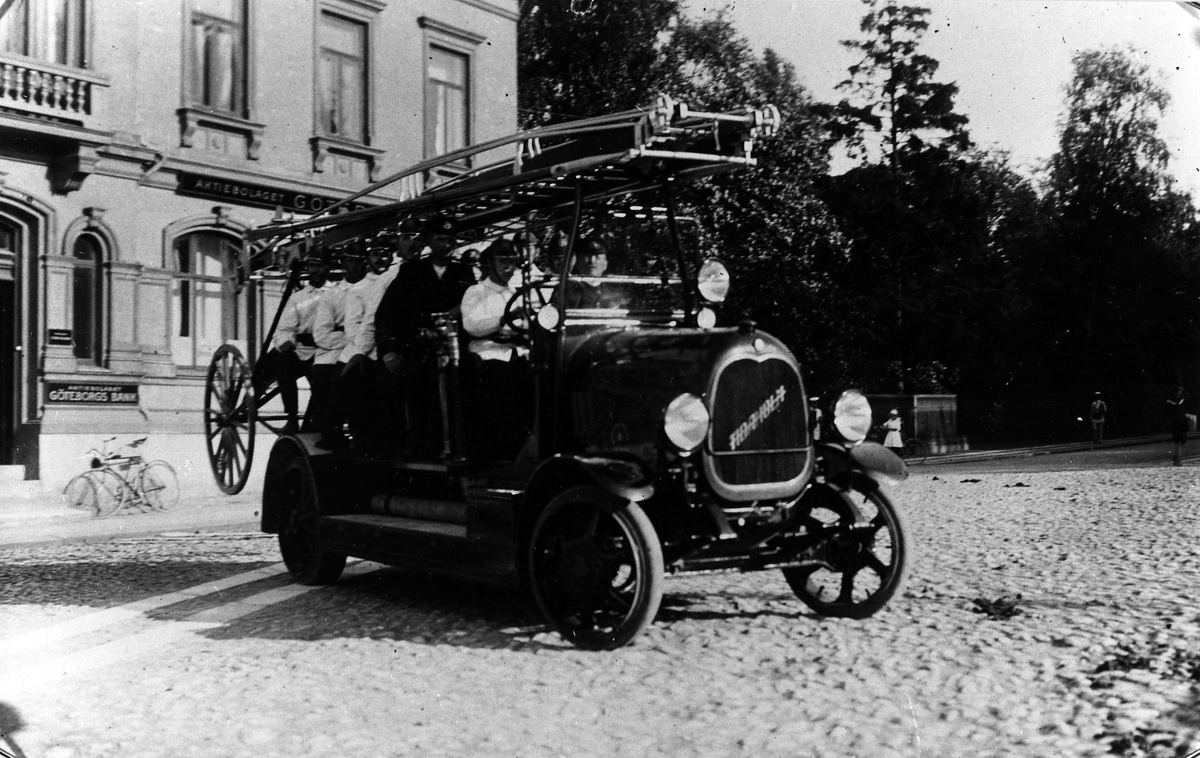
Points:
x=299 y=540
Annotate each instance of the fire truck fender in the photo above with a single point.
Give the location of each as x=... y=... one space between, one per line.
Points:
x=624 y=477
x=866 y=465
x=283 y=452
x=879 y=463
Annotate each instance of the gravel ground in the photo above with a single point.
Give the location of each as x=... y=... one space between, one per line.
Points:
x=1047 y=614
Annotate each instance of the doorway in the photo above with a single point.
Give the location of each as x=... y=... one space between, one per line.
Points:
x=20 y=243
x=10 y=364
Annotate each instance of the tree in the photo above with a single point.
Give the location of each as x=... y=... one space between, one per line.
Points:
x=903 y=207
x=579 y=58
x=893 y=83
x=584 y=58
x=1117 y=292
x=767 y=223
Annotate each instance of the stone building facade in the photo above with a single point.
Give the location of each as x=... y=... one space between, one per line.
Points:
x=139 y=139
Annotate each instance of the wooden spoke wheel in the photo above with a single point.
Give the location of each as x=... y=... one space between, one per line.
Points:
x=229 y=412
x=596 y=572
x=864 y=555
x=299 y=539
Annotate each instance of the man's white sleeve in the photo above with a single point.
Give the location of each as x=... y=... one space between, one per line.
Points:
x=325 y=332
x=479 y=314
x=289 y=323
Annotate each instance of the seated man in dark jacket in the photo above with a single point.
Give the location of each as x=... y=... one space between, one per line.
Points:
x=423 y=286
x=591 y=260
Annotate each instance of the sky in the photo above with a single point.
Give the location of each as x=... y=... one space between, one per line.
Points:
x=1011 y=60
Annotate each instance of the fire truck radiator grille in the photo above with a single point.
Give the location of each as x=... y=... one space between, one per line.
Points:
x=759 y=429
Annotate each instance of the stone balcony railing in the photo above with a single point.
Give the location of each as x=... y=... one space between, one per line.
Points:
x=62 y=93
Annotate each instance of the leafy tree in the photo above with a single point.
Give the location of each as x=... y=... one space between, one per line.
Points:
x=579 y=58
x=780 y=241
x=1117 y=290
x=908 y=207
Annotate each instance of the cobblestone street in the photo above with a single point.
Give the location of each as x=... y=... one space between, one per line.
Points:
x=1047 y=614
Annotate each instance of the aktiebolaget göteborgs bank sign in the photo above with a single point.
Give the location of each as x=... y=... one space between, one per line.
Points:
x=262 y=196
x=86 y=393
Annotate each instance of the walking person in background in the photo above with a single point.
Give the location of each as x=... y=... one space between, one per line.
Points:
x=1177 y=423
x=1099 y=411
x=894 y=440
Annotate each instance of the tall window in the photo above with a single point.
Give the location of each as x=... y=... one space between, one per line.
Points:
x=206 y=311
x=447 y=98
x=217 y=77
x=52 y=30
x=87 y=328
x=342 y=82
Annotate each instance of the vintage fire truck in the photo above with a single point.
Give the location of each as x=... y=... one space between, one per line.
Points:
x=656 y=441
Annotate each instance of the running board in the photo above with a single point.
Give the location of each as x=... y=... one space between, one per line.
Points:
x=397 y=525
x=422 y=545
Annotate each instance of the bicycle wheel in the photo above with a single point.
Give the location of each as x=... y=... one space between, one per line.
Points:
x=80 y=493
x=158 y=484
x=102 y=492
x=915 y=450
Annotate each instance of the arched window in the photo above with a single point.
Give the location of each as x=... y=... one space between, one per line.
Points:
x=206 y=312
x=88 y=299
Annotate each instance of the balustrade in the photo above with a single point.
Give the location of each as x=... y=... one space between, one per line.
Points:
x=48 y=90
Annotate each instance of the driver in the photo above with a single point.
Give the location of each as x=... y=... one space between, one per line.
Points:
x=499 y=375
x=483 y=305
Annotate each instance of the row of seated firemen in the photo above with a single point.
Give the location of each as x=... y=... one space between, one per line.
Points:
x=360 y=343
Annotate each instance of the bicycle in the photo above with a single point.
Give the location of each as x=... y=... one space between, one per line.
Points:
x=117 y=480
x=914 y=451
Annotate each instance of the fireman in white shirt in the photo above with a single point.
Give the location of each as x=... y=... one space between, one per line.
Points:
x=360 y=376
x=293 y=347
x=381 y=272
x=483 y=305
x=498 y=360
x=334 y=331
x=329 y=338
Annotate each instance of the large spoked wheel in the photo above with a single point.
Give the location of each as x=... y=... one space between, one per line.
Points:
x=299 y=539
x=915 y=450
x=159 y=485
x=100 y=492
x=597 y=573
x=229 y=418
x=864 y=556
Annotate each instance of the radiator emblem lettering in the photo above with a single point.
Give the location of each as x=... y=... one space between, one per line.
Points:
x=747 y=427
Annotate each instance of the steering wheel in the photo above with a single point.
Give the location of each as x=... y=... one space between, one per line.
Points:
x=512 y=318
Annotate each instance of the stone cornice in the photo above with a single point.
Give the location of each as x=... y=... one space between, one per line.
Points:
x=493 y=8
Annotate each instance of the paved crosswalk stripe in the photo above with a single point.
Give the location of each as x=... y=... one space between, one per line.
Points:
x=51 y=671
x=12 y=647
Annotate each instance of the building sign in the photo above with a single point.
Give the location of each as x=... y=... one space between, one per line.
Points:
x=91 y=394
x=258 y=195
x=60 y=337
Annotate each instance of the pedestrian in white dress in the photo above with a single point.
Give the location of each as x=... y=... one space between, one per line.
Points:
x=894 y=440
